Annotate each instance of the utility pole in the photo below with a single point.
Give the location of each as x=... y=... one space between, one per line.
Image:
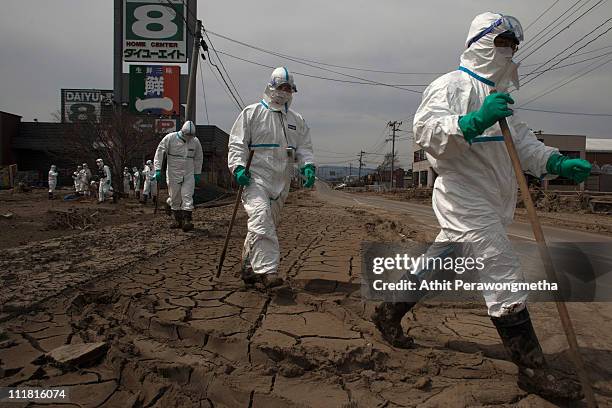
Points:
x=193 y=70
x=394 y=127
x=360 y=163
x=350 y=170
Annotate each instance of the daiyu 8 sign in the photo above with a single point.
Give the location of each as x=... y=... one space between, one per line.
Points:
x=154 y=31
x=85 y=105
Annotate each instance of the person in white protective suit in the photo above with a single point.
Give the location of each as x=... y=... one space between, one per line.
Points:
x=104 y=183
x=279 y=137
x=52 y=181
x=84 y=178
x=136 y=179
x=150 y=183
x=475 y=192
x=184 y=157
x=76 y=179
x=127 y=179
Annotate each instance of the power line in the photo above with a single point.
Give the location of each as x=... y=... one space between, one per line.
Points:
x=566 y=113
x=323 y=63
x=567 y=48
x=224 y=88
x=563 y=29
x=223 y=66
x=527 y=45
x=573 y=56
x=540 y=16
x=570 y=64
x=203 y=90
x=346 y=81
x=308 y=64
x=567 y=82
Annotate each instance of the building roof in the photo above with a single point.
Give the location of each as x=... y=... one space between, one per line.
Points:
x=598 y=145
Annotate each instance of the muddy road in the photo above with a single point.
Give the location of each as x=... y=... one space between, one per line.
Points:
x=161 y=331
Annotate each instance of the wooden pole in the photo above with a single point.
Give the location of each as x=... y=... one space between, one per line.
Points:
x=538 y=233
x=231 y=226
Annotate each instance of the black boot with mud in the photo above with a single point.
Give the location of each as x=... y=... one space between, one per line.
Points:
x=271 y=280
x=535 y=375
x=187 y=224
x=178 y=219
x=388 y=320
x=247 y=275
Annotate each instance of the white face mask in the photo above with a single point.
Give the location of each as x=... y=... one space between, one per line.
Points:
x=280 y=97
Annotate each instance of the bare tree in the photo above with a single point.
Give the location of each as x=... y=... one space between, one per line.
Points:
x=118 y=138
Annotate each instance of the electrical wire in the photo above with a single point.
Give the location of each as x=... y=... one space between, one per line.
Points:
x=540 y=35
x=570 y=64
x=346 y=81
x=567 y=48
x=573 y=56
x=540 y=16
x=223 y=66
x=284 y=56
x=560 y=31
x=203 y=90
x=234 y=101
x=566 y=113
x=581 y=75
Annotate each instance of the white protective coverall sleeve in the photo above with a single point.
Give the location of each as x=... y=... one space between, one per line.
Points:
x=436 y=128
x=198 y=158
x=532 y=153
x=239 y=140
x=162 y=149
x=304 y=147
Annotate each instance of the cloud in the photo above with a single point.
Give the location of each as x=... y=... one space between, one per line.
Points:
x=69 y=44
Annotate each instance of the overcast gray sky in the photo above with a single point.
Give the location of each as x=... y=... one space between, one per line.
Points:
x=49 y=45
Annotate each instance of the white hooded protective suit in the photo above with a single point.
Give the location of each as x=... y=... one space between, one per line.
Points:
x=279 y=136
x=52 y=179
x=476 y=190
x=127 y=179
x=84 y=177
x=150 y=184
x=184 y=157
x=136 y=178
x=104 y=186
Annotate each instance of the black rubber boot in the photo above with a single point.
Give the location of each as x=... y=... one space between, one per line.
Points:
x=144 y=199
x=168 y=209
x=154 y=200
x=178 y=219
x=248 y=276
x=138 y=195
x=50 y=196
x=388 y=320
x=187 y=224
x=535 y=376
x=271 y=280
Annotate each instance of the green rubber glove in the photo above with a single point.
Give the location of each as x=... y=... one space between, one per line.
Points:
x=242 y=176
x=158 y=175
x=575 y=169
x=308 y=171
x=494 y=107
x=197 y=178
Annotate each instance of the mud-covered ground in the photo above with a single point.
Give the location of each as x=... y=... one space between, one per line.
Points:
x=166 y=332
x=570 y=218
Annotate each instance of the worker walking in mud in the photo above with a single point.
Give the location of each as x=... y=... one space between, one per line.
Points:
x=52 y=181
x=475 y=193
x=136 y=179
x=84 y=178
x=127 y=180
x=104 y=180
x=184 y=168
x=279 y=137
x=150 y=183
